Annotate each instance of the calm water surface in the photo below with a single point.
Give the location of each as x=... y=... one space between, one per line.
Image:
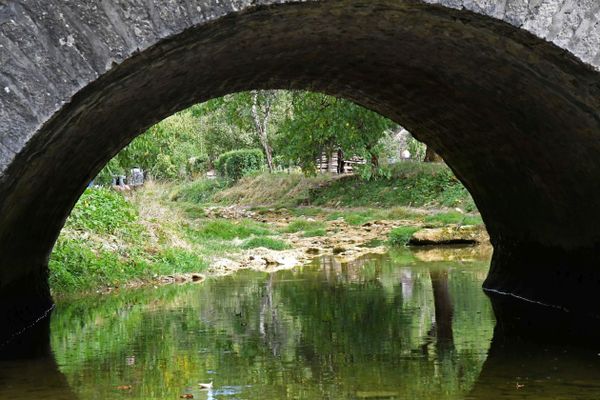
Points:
x=385 y=327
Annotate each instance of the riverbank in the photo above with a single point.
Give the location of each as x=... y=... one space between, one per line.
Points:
x=170 y=233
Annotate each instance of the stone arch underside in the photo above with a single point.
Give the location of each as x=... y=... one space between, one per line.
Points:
x=515 y=116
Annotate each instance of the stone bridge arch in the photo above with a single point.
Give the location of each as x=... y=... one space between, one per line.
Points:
x=506 y=91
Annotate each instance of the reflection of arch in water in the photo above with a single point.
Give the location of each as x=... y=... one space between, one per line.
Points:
x=513 y=115
x=516 y=369
x=29 y=370
x=539 y=350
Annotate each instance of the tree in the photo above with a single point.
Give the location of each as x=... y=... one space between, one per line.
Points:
x=288 y=126
x=261 y=115
x=320 y=124
x=220 y=134
x=253 y=116
x=164 y=151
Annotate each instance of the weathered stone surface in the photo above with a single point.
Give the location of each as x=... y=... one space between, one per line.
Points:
x=506 y=91
x=466 y=234
x=452 y=253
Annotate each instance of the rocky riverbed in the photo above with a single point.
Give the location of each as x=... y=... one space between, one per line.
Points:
x=346 y=242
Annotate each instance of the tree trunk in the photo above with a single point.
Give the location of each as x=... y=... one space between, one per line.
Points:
x=340 y=162
x=261 y=124
x=432 y=156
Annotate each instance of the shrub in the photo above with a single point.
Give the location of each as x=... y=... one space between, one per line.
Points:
x=220 y=163
x=235 y=164
x=75 y=266
x=401 y=236
x=102 y=211
x=198 y=164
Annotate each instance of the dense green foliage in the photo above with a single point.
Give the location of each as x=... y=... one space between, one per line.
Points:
x=229 y=124
x=102 y=211
x=237 y=163
x=104 y=244
x=298 y=127
x=172 y=149
x=76 y=266
x=323 y=124
x=107 y=241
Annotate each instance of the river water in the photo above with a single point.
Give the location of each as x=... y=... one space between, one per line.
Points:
x=383 y=327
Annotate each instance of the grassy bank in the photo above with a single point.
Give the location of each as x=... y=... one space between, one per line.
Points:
x=112 y=239
x=411 y=184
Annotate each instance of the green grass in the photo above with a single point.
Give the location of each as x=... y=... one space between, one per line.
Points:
x=193 y=211
x=315 y=233
x=75 y=267
x=453 y=217
x=275 y=190
x=411 y=184
x=175 y=260
x=401 y=236
x=269 y=243
x=307 y=211
x=200 y=191
x=300 y=225
x=360 y=217
x=104 y=244
x=228 y=230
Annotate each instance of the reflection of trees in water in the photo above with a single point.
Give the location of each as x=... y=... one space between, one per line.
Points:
x=375 y=324
x=323 y=333
x=441 y=332
x=301 y=334
x=272 y=328
x=444 y=309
